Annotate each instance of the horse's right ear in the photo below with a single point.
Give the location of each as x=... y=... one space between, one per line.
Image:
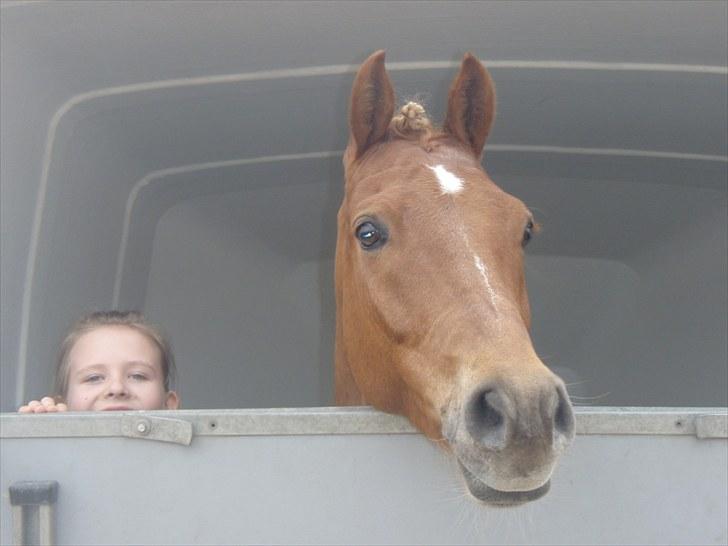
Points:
x=372 y=104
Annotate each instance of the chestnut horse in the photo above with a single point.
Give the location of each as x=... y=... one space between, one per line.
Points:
x=432 y=311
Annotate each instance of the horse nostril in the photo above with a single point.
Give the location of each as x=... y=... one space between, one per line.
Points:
x=484 y=419
x=564 y=416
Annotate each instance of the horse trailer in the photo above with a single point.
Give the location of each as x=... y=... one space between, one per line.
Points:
x=185 y=159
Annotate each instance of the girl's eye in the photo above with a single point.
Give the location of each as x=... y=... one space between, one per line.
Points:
x=93 y=378
x=527 y=233
x=370 y=235
x=138 y=376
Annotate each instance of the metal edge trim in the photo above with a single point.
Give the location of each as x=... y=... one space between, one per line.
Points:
x=700 y=422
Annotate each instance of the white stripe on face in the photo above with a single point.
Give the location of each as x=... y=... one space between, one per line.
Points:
x=483 y=269
x=449 y=183
x=452 y=184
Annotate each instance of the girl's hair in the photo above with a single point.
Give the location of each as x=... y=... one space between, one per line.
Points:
x=129 y=319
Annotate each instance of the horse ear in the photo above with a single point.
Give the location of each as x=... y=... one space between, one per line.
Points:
x=471 y=105
x=372 y=104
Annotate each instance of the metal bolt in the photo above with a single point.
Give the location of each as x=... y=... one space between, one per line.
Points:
x=142 y=427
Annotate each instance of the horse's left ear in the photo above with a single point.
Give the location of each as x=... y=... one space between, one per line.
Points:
x=471 y=105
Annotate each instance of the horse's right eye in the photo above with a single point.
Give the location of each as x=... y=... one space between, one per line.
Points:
x=370 y=235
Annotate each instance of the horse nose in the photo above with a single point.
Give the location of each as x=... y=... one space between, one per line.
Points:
x=494 y=418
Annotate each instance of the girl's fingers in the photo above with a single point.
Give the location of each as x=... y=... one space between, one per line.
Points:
x=45 y=405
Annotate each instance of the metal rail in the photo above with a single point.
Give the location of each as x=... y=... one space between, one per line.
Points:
x=182 y=425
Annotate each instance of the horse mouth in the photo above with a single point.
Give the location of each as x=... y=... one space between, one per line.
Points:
x=496 y=497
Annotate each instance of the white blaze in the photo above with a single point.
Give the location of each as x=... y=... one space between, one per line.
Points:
x=449 y=183
x=481 y=267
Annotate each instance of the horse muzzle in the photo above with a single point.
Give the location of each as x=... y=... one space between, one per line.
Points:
x=507 y=440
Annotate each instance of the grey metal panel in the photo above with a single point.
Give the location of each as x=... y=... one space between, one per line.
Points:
x=109 y=94
x=374 y=488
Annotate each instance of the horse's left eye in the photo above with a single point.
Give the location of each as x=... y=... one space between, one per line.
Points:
x=370 y=235
x=527 y=233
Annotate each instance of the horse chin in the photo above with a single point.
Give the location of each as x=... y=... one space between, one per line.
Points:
x=496 y=497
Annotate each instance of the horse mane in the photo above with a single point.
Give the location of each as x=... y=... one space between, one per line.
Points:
x=412 y=123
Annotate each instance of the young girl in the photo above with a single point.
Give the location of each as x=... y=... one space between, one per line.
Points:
x=111 y=361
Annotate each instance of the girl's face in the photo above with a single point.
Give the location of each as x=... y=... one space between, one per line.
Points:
x=116 y=368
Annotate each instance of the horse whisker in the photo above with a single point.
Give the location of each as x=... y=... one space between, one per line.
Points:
x=577 y=383
x=597 y=397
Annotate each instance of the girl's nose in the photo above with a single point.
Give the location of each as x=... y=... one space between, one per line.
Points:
x=117 y=387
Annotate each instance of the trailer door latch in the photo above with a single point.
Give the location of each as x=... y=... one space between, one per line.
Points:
x=161 y=429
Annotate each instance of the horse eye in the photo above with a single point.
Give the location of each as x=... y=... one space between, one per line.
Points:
x=369 y=235
x=527 y=233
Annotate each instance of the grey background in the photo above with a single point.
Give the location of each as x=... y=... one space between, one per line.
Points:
x=627 y=280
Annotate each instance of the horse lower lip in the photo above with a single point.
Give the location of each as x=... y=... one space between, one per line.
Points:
x=487 y=494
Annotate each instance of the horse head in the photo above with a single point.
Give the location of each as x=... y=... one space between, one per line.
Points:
x=432 y=310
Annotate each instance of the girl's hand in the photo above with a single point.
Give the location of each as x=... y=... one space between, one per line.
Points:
x=45 y=405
